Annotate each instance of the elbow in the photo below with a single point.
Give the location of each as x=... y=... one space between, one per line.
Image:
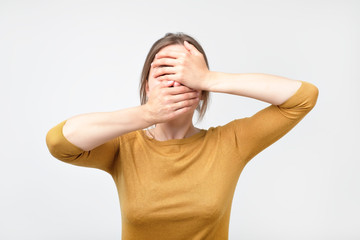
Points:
x=59 y=147
x=313 y=93
x=53 y=143
x=302 y=102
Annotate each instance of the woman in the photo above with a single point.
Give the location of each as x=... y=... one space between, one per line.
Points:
x=176 y=181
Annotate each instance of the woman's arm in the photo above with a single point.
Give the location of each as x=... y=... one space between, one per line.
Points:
x=190 y=70
x=89 y=140
x=264 y=87
x=88 y=131
x=290 y=99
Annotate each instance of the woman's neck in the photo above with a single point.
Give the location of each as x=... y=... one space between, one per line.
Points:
x=176 y=129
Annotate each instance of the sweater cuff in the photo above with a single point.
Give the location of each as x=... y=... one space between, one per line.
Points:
x=304 y=97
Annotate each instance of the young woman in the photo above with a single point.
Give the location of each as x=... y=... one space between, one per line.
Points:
x=176 y=181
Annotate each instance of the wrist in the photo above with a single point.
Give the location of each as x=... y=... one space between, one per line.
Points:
x=147 y=115
x=211 y=80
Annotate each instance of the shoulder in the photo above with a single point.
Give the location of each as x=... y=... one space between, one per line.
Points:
x=131 y=137
x=231 y=127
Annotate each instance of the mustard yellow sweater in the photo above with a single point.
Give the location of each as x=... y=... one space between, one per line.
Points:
x=182 y=189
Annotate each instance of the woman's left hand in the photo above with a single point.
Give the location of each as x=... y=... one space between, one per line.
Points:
x=188 y=68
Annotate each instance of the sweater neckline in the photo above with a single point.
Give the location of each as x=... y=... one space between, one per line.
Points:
x=186 y=140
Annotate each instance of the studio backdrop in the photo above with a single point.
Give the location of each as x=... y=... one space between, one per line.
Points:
x=63 y=58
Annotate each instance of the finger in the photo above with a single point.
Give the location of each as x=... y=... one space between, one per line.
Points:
x=164 y=61
x=164 y=70
x=186 y=103
x=191 y=48
x=176 y=84
x=169 y=77
x=185 y=96
x=180 y=90
x=180 y=111
x=173 y=91
x=170 y=54
x=165 y=84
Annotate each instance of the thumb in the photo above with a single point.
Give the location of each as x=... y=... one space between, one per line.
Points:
x=190 y=47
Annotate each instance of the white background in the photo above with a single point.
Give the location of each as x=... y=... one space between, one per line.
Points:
x=63 y=58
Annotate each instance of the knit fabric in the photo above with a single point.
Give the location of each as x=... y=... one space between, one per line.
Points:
x=182 y=189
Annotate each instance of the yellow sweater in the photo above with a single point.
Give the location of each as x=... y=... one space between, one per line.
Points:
x=182 y=189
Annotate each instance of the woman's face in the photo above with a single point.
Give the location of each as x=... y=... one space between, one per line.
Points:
x=151 y=80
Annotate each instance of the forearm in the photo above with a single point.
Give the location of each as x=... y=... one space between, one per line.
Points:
x=265 y=87
x=90 y=130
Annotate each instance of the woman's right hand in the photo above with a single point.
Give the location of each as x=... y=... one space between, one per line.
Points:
x=168 y=100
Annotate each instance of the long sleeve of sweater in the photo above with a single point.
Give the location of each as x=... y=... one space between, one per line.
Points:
x=248 y=135
x=253 y=134
x=101 y=157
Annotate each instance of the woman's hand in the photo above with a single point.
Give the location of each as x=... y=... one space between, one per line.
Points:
x=168 y=100
x=188 y=68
